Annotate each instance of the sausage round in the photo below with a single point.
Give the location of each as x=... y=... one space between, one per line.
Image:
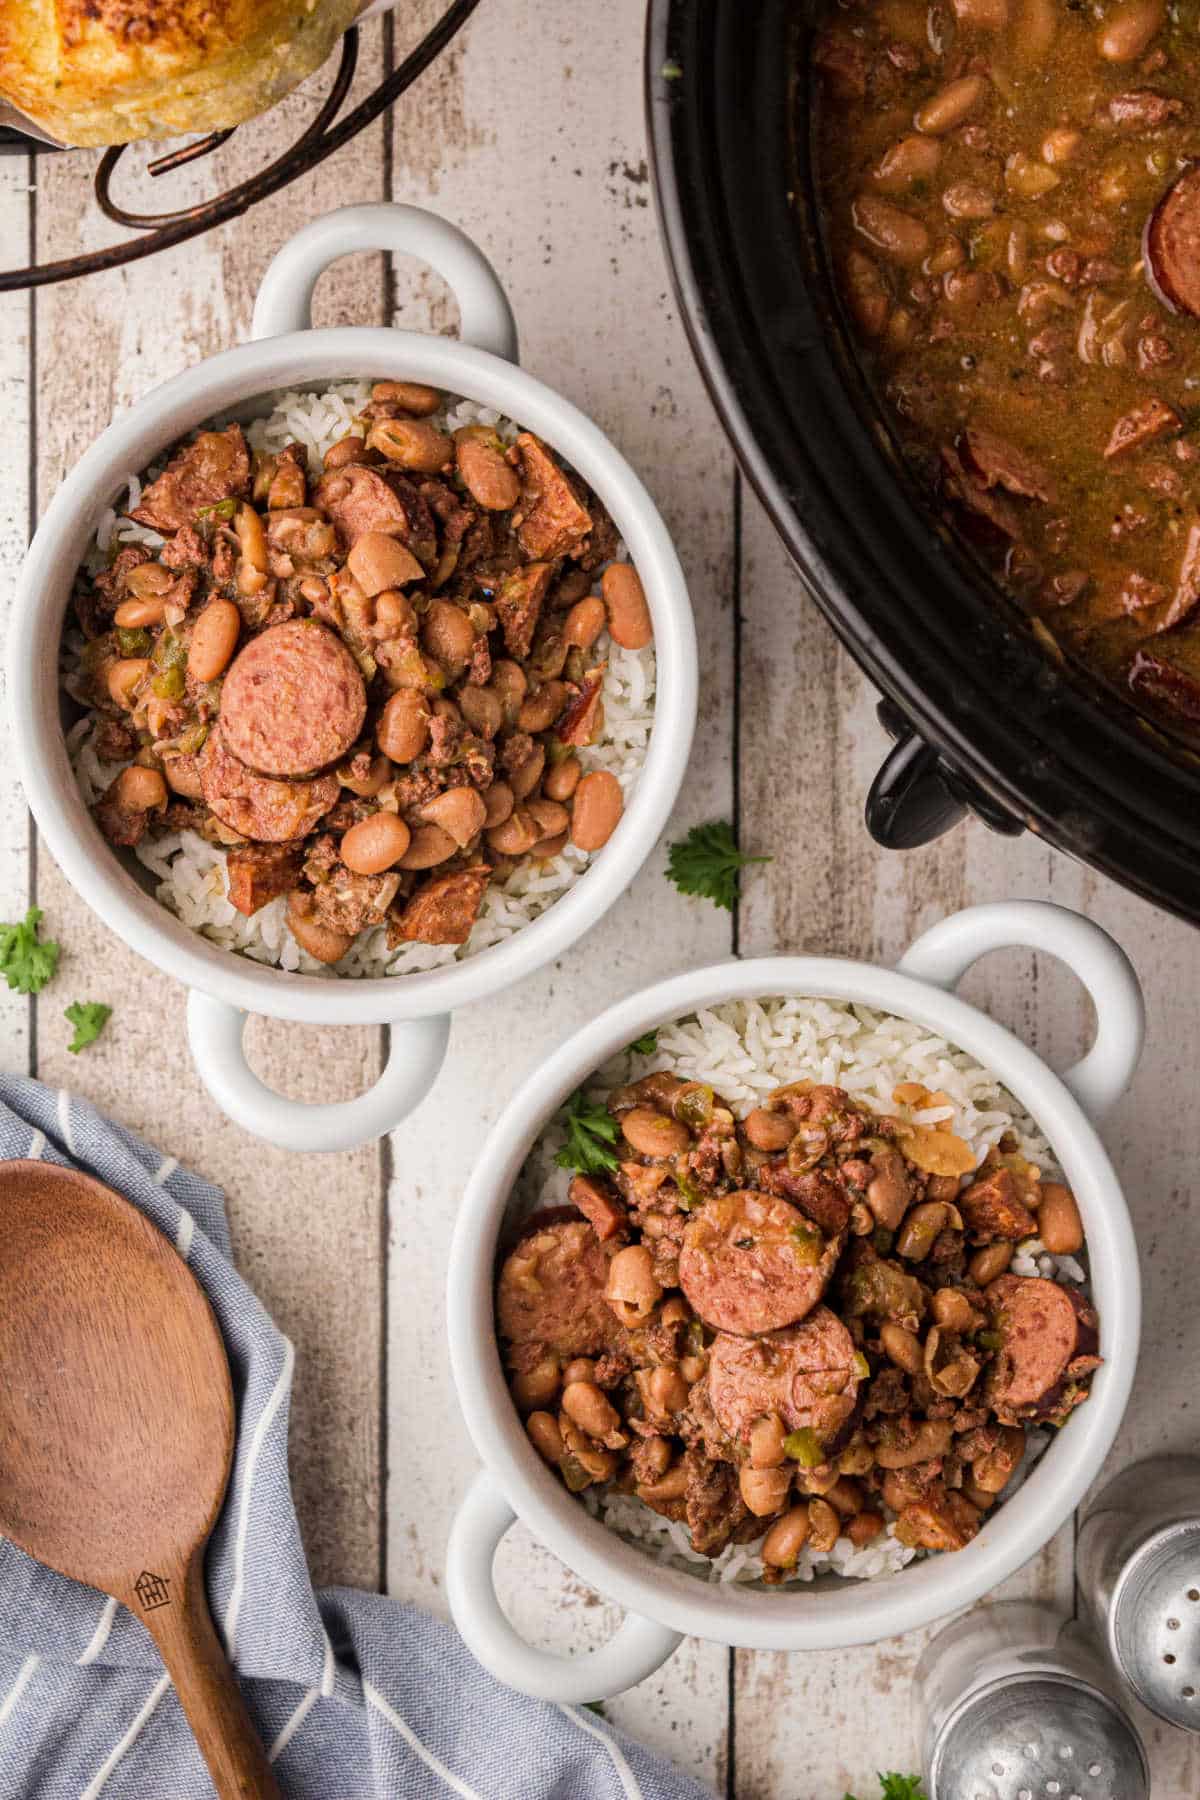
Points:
x=254 y=805
x=752 y=1262
x=1172 y=244
x=293 y=700
x=806 y=1373
x=1043 y=1328
x=551 y=1289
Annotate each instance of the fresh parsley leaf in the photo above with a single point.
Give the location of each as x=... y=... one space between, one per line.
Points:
x=646 y=1045
x=898 y=1787
x=591 y=1133
x=89 y=1017
x=26 y=961
x=706 y=863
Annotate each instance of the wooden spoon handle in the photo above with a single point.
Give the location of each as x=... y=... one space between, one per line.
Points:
x=208 y=1691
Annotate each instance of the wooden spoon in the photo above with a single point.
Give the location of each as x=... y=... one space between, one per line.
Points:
x=117 y=1432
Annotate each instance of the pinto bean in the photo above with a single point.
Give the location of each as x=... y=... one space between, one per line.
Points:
x=864 y=1528
x=537 y=1386
x=123 y=676
x=551 y=818
x=764 y=1490
x=1129 y=29
x=214 y=640
x=599 y=803
x=902 y=1347
x=633 y=1289
x=651 y=1133
x=413 y=443
x=629 y=621
x=786 y=1539
x=909 y=160
x=403 y=729
x=321 y=941
x=952 y=1310
x=448 y=634
x=510 y=683
x=481 y=708
x=1059 y=1224
x=138 y=615
x=522 y=781
x=769 y=1131
x=952 y=105
x=825 y=1527
x=766 y=1442
x=584 y=622
x=141 y=790
x=967 y=200
x=491 y=481
x=515 y=835
x=989 y=1263
x=368 y=785
x=563 y=779
x=375 y=844
x=413 y=396
x=896 y=234
x=148 y=581
x=542 y=707
x=460 y=812
x=379 y=561
x=349 y=449
x=587 y=1406
x=498 y=804
x=545 y=1437
x=430 y=845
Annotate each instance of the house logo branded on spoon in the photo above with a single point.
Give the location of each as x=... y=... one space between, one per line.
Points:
x=152 y=1591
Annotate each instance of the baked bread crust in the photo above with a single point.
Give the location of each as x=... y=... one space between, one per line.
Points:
x=110 y=71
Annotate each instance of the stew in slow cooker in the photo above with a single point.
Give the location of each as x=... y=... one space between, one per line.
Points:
x=1014 y=219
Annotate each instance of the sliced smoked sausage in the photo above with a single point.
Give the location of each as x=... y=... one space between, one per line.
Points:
x=293 y=700
x=255 y=806
x=752 y=1262
x=1172 y=244
x=1044 y=1330
x=807 y=1374
x=551 y=1289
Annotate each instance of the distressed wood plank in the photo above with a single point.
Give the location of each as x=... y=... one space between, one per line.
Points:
x=16 y=176
x=557 y=196
x=308 y=1233
x=831 y=889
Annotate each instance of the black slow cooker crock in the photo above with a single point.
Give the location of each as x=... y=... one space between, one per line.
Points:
x=985 y=718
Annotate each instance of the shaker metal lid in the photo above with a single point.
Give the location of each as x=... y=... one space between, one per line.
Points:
x=1038 y=1736
x=1154 y=1623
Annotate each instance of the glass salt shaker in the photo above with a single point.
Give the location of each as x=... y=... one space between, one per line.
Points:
x=1139 y=1577
x=1016 y=1704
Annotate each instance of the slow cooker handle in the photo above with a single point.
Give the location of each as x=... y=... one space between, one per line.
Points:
x=285 y=298
x=917 y=797
x=945 y=953
x=639 y=1647
x=416 y=1051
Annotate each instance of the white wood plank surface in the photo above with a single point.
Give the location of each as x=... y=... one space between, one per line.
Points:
x=530 y=135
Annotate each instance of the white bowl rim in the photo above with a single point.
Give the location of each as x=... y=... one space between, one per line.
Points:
x=233 y=379
x=804 y=1616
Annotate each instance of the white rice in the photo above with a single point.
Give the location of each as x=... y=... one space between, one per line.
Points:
x=743 y=1050
x=190 y=873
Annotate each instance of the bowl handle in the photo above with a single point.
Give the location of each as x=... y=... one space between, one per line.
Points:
x=945 y=953
x=415 y=1054
x=639 y=1647
x=285 y=298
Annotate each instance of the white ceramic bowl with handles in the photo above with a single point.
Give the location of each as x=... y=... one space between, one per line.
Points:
x=481 y=364
x=665 y=1603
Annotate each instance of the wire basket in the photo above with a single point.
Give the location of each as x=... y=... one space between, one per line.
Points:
x=325 y=134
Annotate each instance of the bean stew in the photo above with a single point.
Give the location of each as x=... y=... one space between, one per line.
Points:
x=803 y=1323
x=1013 y=214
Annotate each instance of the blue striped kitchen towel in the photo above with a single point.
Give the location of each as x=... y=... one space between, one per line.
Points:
x=356 y=1695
